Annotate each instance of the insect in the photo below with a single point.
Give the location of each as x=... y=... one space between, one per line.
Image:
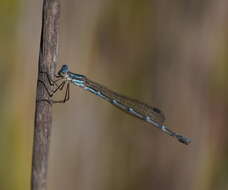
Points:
x=131 y=106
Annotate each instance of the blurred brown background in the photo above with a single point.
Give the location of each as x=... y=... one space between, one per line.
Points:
x=170 y=54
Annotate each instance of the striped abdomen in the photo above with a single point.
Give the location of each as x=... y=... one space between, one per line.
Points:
x=131 y=106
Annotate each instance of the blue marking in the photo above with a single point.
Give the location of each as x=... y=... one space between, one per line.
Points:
x=102 y=95
x=119 y=104
x=163 y=128
x=63 y=71
x=131 y=110
x=80 y=83
x=98 y=93
x=149 y=120
x=168 y=131
x=90 y=90
x=75 y=76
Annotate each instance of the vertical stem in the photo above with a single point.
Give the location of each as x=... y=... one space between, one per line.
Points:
x=43 y=113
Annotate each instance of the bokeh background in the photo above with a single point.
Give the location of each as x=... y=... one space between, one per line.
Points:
x=170 y=54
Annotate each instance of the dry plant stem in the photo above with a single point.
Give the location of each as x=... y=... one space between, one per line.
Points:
x=43 y=112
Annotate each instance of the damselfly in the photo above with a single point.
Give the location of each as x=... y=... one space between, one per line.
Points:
x=133 y=107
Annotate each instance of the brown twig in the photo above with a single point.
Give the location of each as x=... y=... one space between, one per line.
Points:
x=43 y=112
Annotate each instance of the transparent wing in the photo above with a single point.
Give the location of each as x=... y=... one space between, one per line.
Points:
x=129 y=105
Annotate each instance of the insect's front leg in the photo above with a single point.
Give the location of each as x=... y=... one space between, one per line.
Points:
x=50 y=81
x=51 y=92
x=66 y=97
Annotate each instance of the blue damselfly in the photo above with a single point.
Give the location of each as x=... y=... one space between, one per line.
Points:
x=133 y=107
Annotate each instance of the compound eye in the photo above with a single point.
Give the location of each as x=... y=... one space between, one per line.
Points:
x=63 y=71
